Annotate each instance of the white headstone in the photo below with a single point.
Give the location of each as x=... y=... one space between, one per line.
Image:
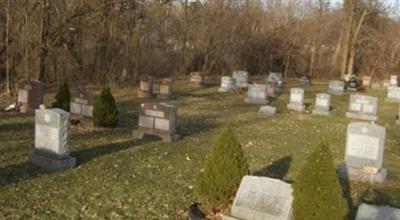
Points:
x=322 y=104
x=336 y=87
x=227 y=84
x=393 y=94
x=242 y=78
x=393 y=80
x=296 y=101
x=372 y=212
x=257 y=94
x=363 y=107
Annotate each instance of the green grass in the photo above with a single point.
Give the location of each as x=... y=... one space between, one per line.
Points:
x=118 y=177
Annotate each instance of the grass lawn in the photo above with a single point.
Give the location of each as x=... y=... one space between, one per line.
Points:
x=118 y=177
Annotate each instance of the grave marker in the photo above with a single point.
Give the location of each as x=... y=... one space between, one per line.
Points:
x=364 y=153
x=393 y=80
x=363 y=107
x=157 y=119
x=296 y=100
x=165 y=87
x=366 y=81
x=227 y=84
x=372 y=212
x=82 y=102
x=51 y=151
x=242 y=78
x=322 y=104
x=267 y=111
x=336 y=87
x=197 y=79
x=146 y=87
x=30 y=95
x=257 y=94
x=393 y=94
x=262 y=198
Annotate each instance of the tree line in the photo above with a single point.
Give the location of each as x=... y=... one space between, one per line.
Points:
x=117 y=41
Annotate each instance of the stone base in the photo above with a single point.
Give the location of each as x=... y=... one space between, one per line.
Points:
x=294 y=107
x=319 y=112
x=256 y=101
x=393 y=100
x=138 y=134
x=51 y=164
x=172 y=96
x=357 y=174
x=365 y=117
x=335 y=92
x=144 y=94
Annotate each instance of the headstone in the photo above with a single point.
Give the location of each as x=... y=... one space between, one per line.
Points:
x=257 y=94
x=296 y=100
x=376 y=86
x=262 y=198
x=82 y=102
x=51 y=151
x=322 y=104
x=393 y=80
x=364 y=153
x=372 y=212
x=146 y=87
x=197 y=79
x=166 y=91
x=227 y=84
x=363 y=107
x=366 y=81
x=30 y=96
x=267 y=111
x=272 y=90
x=275 y=78
x=157 y=119
x=393 y=94
x=242 y=78
x=336 y=87
x=305 y=80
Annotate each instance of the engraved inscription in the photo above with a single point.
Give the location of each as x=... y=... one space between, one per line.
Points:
x=363 y=146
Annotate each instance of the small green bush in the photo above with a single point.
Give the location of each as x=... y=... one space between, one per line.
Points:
x=62 y=98
x=224 y=169
x=317 y=190
x=105 y=112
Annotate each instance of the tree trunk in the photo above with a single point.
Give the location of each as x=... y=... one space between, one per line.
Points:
x=8 y=84
x=44 y=38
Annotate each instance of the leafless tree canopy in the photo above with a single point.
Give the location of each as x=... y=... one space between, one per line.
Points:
x=116 y=41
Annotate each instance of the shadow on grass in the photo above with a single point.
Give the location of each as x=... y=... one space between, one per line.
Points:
x=346 y=188
x=277 y=169
x=17 y=127
x=383 y=197
x=189 y=125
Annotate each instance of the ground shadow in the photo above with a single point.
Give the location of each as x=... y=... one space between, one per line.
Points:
x=346 y=188
x=15 y=173
x=189 y=125
x=277 y=169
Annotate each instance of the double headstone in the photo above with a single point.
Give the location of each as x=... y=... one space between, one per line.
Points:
x=393 y=80
x=275 y=78
x=227 y=84
x=157 y=119
x=336 y=87
x=197 y=79
x=372 y=212
x=242 y=78
x=146 y=87
x=296 y=102
x=30 y=96
x=262 y=198
x=366 y=81
x=363 y=107
x=364 y=153
x=51 y=151
x=393 y=94
x=257 y=94
x=322 y=104
x=82 y=102
x=165 y=89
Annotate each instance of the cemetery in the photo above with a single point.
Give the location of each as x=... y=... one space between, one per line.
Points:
x=146 y=166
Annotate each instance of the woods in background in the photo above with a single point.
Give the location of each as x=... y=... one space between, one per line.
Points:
x=116 y=41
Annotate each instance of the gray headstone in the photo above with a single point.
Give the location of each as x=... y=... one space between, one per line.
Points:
x=267 y=110
x=51 y=150
x=336 y=87
x=393 y=94
x=227 y=84
x=363 y=107
x=242 y=78
x=275 y=78
x=364 y=152
x=261 y=198
x=322 y=104
x=372 y=212
x=257 y=94
x=296 y=102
